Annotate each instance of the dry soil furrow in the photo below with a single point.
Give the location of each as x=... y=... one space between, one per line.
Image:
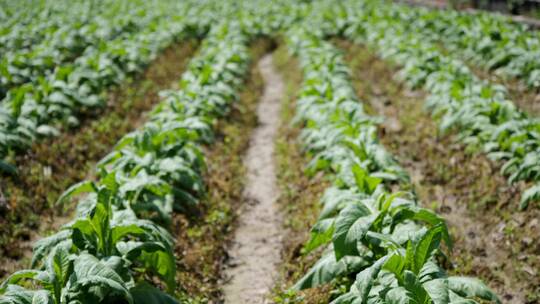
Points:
x=255 y=252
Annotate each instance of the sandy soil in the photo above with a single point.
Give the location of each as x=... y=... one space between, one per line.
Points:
x=255 y=252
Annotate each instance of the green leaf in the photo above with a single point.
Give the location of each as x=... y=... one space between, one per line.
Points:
x=18 y=276
x=321 y=234
x=529 y=195
x=395 y=264
x=153 y=256
x=48 y=131
x=402 y=213
x=60 y=264
x=414 y=287
x=364 y=181
x=144 y=293
x=79 y=188
x=90 y=272
x=348 y=298
x=119 y=232
x=366 y=279
x=8 y=168
x=431 y=271
x=163 y=263
x=352 y=224
x=46 y=245
x=399 y=295
x=438 y=291
x=425 y=247
x=42 y=297
x=471 y=287
x=327 y=269
x=18 y=295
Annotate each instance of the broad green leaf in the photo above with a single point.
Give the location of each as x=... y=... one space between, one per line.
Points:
x=144 y=293
x=414 y=287
x=403 y=213
x=438 y=291
x=328 y=269
x=529 y=195
x=366 y=279
x=395 y=264
x=18 y=295
x=154 y=256
x=399 y=295
x=425 y=247
x=60 y=263
x=119 y=232
x=471 y=287
x=18 y=276
x=46 y=245
x=351 y=226
x=364 y=181
x=82 y=187
x=89 y=271
x=321 y=234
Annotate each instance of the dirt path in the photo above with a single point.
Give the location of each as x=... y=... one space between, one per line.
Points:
x=256 y=247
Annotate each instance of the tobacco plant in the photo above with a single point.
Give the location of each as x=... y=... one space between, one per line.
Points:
x=380 y=237
x=119 y=242
x=481 y=113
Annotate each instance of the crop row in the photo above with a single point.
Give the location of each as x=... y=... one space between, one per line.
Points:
x=486 y=120
x=118 y=243
x=79 y=35
x=485 y=39
x=24 y=24
x=381 y=237
x=43 y=96
x=56 y=99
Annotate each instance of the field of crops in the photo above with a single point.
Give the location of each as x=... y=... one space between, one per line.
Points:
x=198 y=151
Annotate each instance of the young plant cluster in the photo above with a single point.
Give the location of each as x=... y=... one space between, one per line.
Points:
x=378 y=236
x=118 y=245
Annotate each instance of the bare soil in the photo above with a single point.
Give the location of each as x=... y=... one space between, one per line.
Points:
x=202 y=238
x=255 y=250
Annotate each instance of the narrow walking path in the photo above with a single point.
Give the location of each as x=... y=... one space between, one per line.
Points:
x=256 y=247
